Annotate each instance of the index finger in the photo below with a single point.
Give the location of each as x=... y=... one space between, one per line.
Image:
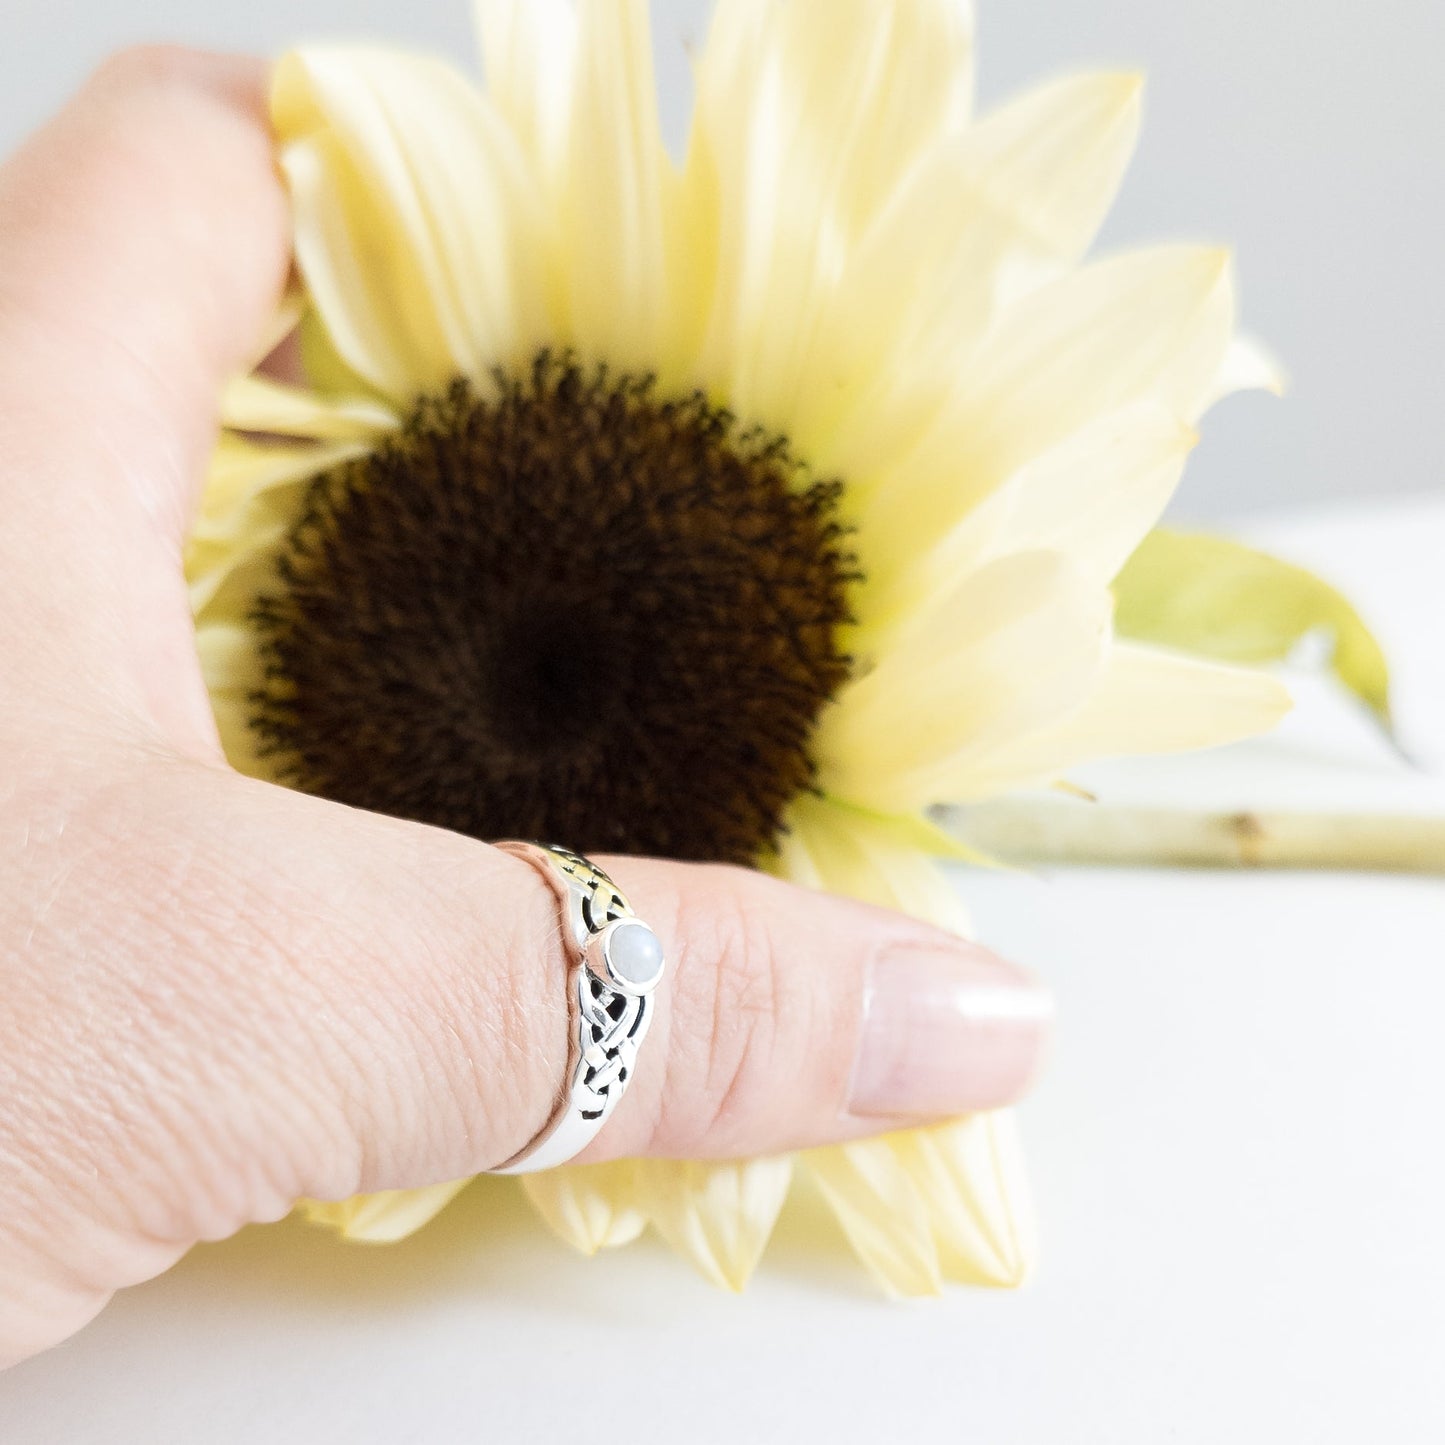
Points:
x=143 y=245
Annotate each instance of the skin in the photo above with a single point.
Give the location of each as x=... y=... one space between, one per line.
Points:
x=218 y=996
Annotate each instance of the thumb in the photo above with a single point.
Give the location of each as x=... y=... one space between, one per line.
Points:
x=399 y=994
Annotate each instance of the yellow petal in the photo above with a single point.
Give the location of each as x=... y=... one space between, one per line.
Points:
x=1151 y=326
x=417 y=231
x=619 y=181
x=1228 y=601
x=589 y=1206
x=251 y=499
x=385 y=1217
x=529 y=50
x=807 y=115
x=877 y=1200
x=917 y=90
x=1051 y=163
x=233 y=671
x=290 y=308
x=718 y=1215
x=1013 y=648
x=881 y=82
x=1147 y=701
x=258 y=404
x=1248 y=365
x=983 y=216
x=971 y=1178
x=1095 y=496
x=952 y=1199
x=253 y=495
x=878 y=858
x=792 y=858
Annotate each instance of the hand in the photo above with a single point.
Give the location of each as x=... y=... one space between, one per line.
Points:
x=218 y=996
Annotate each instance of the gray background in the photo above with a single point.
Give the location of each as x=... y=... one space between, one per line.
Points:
x=1305 y=133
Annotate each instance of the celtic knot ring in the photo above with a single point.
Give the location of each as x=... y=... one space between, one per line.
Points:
x=616 y=963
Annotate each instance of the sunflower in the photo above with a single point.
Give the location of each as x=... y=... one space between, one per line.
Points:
x=823 y=445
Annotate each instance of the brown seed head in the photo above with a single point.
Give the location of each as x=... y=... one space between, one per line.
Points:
x=565 y=609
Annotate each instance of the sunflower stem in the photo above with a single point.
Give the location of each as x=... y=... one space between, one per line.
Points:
x=1049 y=831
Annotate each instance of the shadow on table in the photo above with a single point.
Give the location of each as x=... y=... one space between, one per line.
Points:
x=490 y=1241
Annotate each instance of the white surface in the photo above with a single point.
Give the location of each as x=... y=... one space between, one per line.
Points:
x=1237 y=1155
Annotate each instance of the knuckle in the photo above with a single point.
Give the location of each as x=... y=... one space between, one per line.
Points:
x=724 y=1054
x=153 y=65
x=147 y=66
x=470 y=997
x=154 y=89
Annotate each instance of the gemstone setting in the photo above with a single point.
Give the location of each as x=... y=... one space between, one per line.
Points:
x=631 y=956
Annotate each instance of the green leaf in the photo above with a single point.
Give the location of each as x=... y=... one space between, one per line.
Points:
x=1214 y=597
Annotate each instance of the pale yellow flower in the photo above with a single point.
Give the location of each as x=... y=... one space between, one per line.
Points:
x=851 y=263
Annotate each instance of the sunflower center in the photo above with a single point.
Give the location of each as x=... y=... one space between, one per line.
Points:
x=567 y=609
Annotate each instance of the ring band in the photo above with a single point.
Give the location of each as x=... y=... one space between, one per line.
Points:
x=617 y=962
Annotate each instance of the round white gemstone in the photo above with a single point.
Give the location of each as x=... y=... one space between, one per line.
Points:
x=634 y=954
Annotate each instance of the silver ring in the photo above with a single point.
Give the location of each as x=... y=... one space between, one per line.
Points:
x=617 y=962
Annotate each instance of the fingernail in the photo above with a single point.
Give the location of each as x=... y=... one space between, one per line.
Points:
x=946 y=1031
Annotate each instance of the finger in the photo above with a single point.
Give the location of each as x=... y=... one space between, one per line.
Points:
x=370 y=1004
x=143 y=243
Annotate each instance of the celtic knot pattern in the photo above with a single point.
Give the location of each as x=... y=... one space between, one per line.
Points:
x=616 y=963
x=601 y=900
x=610 y=1024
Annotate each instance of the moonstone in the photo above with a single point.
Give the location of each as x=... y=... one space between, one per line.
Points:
x=634 y=953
